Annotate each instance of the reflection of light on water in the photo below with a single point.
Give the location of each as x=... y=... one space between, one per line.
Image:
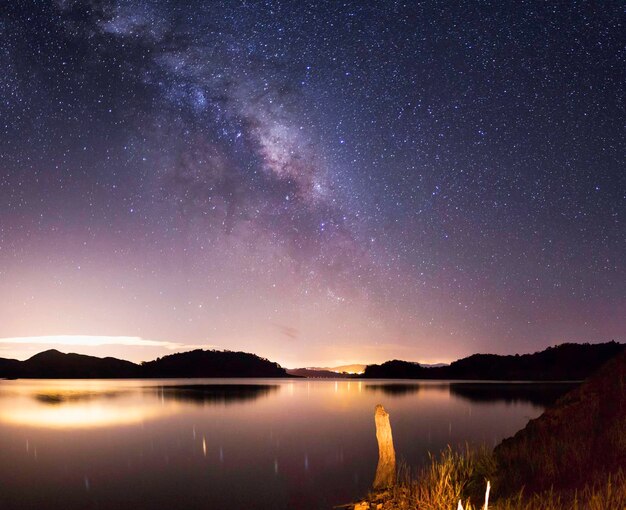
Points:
x=77 y=415
x=79 y=404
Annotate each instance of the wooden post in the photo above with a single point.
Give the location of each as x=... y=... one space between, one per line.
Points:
x=386 y=470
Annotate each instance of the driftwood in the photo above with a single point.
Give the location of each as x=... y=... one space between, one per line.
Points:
x=386 y=470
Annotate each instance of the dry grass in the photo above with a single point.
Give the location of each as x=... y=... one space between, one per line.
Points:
x=573 y=443
x=561 y=459
x=609 y=494
x=456 y=476
x=452 y=476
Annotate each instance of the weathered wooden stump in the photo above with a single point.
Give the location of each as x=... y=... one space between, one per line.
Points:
x=386 y=470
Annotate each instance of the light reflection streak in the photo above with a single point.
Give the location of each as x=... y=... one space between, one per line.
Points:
x=78 y=404
x=79 y=415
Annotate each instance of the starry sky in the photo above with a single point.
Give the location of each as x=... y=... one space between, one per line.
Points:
x=317 y=182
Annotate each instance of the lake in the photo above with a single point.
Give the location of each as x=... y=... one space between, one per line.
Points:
x=236 y=443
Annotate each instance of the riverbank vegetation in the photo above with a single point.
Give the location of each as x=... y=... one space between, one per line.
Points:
x=573 y=457
x=462 y=475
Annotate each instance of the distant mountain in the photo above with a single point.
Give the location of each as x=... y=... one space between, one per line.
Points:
x=200 y=363
x=355 y=368
x=317 y=373
x=396 y=369
x=343 y=371
x=566 y=362
x=354 y=371
x=8 y=367
x=53 y=364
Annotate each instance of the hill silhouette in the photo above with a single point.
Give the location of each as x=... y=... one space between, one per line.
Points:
x=565 y=362
x=200 y=363
x=578 y=440
x=397 y=369
x=9 y=367
x=318 y=373
x=212 y=394
x=53 y=364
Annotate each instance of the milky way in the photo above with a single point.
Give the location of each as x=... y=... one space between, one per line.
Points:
x=319 y=183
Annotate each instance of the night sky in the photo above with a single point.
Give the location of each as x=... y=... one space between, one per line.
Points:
x=316 y=182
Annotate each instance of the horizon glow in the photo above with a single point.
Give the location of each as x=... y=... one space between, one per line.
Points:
x=320 y=184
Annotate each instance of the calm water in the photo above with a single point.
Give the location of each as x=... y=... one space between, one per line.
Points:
x=213 y=444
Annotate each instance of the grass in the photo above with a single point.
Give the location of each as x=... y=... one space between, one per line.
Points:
x=461 y=476
x=454 y=475
x=609 y=494
x=575 y=442
x=573 y=457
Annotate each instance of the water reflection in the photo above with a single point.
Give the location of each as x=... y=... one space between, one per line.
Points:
x=60 y=397
x=65 y=405
x=539 y=394
x=221 y=444
x=214 y=394
x=395 y=389
x=79 y=414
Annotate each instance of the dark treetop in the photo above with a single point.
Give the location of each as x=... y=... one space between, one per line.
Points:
x=563 y=362
x=54 y=364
